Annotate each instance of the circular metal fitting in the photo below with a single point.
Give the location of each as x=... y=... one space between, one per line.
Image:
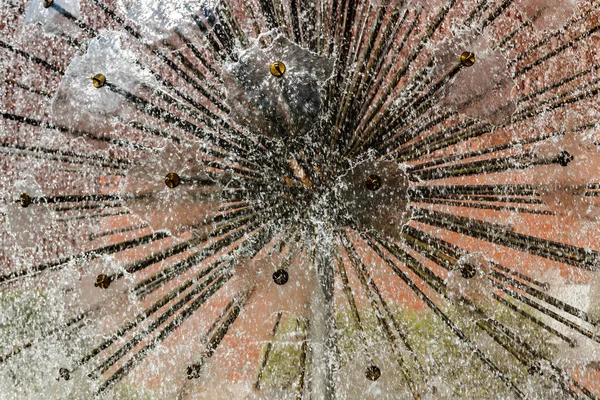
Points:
x=64 y=373
x=103 y=281
x=373 y=182
x=98 y=80
x=467 y=59
x=468 y=271
x=277 y=68
x=24 y=200
x=280 y=277
x=172 y=180
x=373 y=373
x=193 y=371
x=535 y=368
x=564 y=158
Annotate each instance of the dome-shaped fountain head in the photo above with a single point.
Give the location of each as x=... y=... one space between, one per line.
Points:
x=277 y=68
x=467 y=59
x=24 y=200
x=103 y=281
x=373 y=373
x=373 y=182
x=172 y=180
x=280 y=277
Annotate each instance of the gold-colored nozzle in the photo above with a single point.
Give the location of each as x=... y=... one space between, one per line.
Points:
x=172 y=180
x=277 y=68
x=467 y=59
x=98 y=80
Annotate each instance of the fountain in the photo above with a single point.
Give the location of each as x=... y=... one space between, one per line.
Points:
x=279 y=199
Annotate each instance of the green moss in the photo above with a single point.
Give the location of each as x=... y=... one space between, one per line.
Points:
x=284 y=367
x=446 y=360
x=23 y=313
x=443 y=355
